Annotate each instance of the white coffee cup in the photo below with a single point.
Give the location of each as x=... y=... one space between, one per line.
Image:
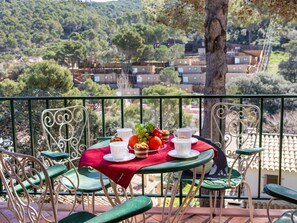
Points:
x=119 y=150
x=124 y=133
x=182 y=146
x=183 y=133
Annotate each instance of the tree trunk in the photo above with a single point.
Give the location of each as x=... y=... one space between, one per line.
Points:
x=216 y=48
x=216 y=64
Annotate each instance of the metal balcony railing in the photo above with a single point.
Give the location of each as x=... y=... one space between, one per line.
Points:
x=20 y=119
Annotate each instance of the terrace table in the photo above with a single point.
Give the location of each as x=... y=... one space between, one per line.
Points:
x=174 y=167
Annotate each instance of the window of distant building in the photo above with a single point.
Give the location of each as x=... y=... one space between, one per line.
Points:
x=143 y=69
x=271 y=179
x=185 y=79
x=106 y=77
x=148 y=78
x=154 y=78
x=134 y=71
x=237 y=60
x=190 y=68
x=195 y=77
x=139 y=79
x=180 y=70
x=96 y=78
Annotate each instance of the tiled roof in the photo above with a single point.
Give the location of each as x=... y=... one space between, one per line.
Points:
x=270 y=155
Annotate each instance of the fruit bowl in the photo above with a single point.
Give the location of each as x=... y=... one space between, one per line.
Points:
x=156 y=150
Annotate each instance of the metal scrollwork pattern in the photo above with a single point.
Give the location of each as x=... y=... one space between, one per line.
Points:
x=237 y=126
x=67 y=130
x=20 y=175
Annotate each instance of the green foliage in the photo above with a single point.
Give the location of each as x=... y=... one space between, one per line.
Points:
x=130 y=42
x=288 y=68
x=275 y=58
x=94 y=89
x=162 y=53
x=10 y=88
x=169 y=107
x=46 y=78
x=169 y=76
x=264 y=83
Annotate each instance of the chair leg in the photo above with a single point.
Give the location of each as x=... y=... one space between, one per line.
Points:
x=221 y=204
x=210 y=206
x=93 y=202
x=83 y=201
x=249 y=193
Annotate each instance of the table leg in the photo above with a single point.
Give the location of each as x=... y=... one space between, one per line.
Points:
x=118 y=193
x=190 y=196
x=174 y=191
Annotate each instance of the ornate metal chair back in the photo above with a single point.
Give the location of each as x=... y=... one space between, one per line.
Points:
x=235 y=126
x=67 y=130
x=21 y=175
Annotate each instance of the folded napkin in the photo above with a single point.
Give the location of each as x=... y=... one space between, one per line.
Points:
x=123 y=172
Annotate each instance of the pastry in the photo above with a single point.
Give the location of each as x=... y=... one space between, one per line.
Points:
x=116 y=139
x=165 y=135
x=141 y=150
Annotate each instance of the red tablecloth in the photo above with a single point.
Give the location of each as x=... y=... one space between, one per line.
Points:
x=122 y=173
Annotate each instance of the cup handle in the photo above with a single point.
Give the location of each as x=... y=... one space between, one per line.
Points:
x=175 y=134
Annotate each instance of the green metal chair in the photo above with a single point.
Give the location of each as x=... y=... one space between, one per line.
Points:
x=22 y=175
x=234 y=129
x=67 y=134
x=281 y=193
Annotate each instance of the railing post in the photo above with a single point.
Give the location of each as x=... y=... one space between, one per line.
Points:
x=260 y=145
x=31 y=127
x=103 y=117
x=13 y=123
x=281 y=133
x=180 y=110
x=161 y=111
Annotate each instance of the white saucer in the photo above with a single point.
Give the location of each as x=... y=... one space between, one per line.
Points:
x=193 y=153
x=193 y=140
x=109 y=158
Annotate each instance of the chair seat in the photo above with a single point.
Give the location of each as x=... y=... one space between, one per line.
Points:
x=89 y=180
x=78 y=217
x=222 y=183
x=281 y=192
x=53 y=172
x=100 y=144
x=219 y=183
x=286 y=217
x=129 y=208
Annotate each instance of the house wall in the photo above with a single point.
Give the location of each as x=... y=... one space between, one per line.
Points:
x=105 y=78
x=148 y=79
x=189 y=69
x=238 y=68
x=288 y=179
x=193 y=78
x=143 y=69
x=129 y=91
